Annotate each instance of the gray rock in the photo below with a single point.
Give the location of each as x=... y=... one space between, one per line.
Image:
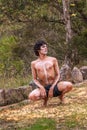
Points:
x=33 y=85
x=2 y=97
x=83 y=70
x=65 y=73
x=25 y=91
x=14 y=95
x=76 y=75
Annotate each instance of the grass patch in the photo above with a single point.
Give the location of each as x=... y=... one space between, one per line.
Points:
x=72 y=122
x=42 y=124
x=76 y=121
x=14 y=82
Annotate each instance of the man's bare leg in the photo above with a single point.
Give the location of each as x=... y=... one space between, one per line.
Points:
x=35 y=95
x=65 y=87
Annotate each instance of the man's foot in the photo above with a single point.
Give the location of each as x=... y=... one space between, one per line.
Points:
x=63 y=100
x=45 y=102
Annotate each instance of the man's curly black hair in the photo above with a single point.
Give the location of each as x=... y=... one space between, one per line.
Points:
x=37 y=46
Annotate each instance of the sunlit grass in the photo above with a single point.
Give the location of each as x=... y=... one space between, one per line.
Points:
x=14 y=82
x=76 y=121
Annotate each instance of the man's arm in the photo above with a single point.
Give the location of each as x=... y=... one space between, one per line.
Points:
x=34 y=75
x=56 y=68
x=57 y=76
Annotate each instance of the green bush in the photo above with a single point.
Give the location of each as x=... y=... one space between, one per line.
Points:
x=8 y=65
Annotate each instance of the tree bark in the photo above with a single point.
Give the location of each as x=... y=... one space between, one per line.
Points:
x=67 y=20
x=68 y=29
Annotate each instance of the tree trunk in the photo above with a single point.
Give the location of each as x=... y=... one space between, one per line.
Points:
x=67 y=20
x=67 y=27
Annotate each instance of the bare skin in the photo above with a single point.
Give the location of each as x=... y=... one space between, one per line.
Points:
x=45 y=71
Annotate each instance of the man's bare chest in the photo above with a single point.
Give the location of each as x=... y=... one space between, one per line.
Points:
x=44 y=66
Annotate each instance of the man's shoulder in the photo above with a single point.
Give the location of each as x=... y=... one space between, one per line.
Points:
x=53 y=58
x=35 y=61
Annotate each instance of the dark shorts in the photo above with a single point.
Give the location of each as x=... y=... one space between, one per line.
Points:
x=56 y=92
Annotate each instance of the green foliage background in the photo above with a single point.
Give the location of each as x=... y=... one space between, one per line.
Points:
x=23 y=22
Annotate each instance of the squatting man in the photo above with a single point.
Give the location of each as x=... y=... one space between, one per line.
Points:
x=45 y=73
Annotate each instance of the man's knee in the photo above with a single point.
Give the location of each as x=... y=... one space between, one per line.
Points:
x=33 y=97
x=30 y=96
x=69 y=86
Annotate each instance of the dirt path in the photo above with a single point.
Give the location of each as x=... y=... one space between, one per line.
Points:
x=25 y=113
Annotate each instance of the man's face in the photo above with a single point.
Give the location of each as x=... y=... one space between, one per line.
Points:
x=43 y=49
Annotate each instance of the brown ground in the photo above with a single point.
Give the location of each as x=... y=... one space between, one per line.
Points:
x=25 y=113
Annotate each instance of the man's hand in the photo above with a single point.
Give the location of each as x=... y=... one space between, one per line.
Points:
x=50 y=94
x=43 y=92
